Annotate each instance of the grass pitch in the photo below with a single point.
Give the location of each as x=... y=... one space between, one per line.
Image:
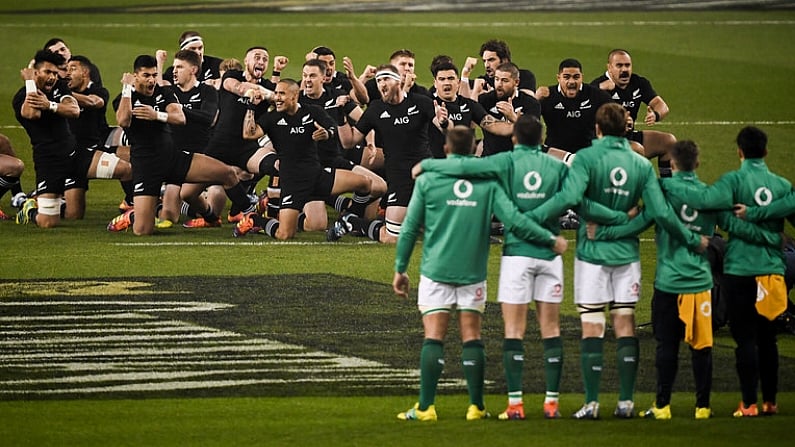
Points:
x=717 y=70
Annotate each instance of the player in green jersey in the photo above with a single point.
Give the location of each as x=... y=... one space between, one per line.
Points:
x=455 y=214
x=682 y=304
x=528 y=272
x=607 y=273
x=756 y=292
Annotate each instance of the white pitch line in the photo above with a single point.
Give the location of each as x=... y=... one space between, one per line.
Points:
x=456 y=25
x=235 y=243
x=673 y=123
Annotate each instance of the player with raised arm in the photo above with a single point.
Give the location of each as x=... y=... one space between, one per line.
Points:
x=506 y=102
x=401 y=122
x=631 y=90
x=146 y=110
x=336 y=104
x=91 y=132
x=460 y=109
x=294 y=130
x=43 y=107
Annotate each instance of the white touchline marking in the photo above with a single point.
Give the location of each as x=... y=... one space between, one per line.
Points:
x=503 y=24
x=237 y=243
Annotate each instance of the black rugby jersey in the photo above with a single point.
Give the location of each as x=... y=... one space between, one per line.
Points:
x=639 y=90
x=570 y=122
x=522 y=104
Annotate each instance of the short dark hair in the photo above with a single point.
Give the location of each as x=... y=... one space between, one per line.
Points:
x=443 y=66
x=144 y=61
x=615 y=51
x=612 y=119
x=82 y=60
x=323 y=51
x=48 y=56
x=569 y=63
x=320 y=64
x=685 y=154
x=403 y=52
x=528 y=130
x=753 y=142
x=497 y=46
x=440 y=59
x=52 y=42
x=189 y=57
x=509 y=67
x=461 y=140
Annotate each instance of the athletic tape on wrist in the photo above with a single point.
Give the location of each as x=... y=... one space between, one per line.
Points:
x=30 y=86
x=162 y=117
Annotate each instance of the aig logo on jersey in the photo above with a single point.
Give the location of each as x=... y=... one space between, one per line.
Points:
x=618 y=178
x=532 y=182
x=462 y=189
x=763 y=196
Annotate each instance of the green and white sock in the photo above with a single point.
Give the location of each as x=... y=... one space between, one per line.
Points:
x=513 y=364
x=627 y=353
x=553 y=366
x=591 y=353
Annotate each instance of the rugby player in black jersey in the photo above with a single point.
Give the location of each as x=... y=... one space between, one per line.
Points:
x=43 y=107
x=227 y=143
x=569 y=108
x=460 y=109
x=401 y=123
x=91 y=131
x=146 y=112
x=294 y=130
x=209 y=71
x=631 y=90
x=199 y=103
x=506 y=102
x=494 y=53
x=403 y=60
x=337 y=104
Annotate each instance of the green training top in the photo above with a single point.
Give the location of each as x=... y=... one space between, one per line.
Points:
x=529 y=177
x=609 y=172
x=679 y=269
x=456 y=216
x=752 y=184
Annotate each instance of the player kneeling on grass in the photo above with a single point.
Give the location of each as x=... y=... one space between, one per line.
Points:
x=456 y=216
x=294 y=130
x=145 y=111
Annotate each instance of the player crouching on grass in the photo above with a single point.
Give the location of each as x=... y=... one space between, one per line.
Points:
x=456 y=216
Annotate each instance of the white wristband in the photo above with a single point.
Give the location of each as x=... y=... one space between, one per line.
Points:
x=162 y=117
x=126 y=91
x=30 y=86
x=464 y=79
x=53 y=106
